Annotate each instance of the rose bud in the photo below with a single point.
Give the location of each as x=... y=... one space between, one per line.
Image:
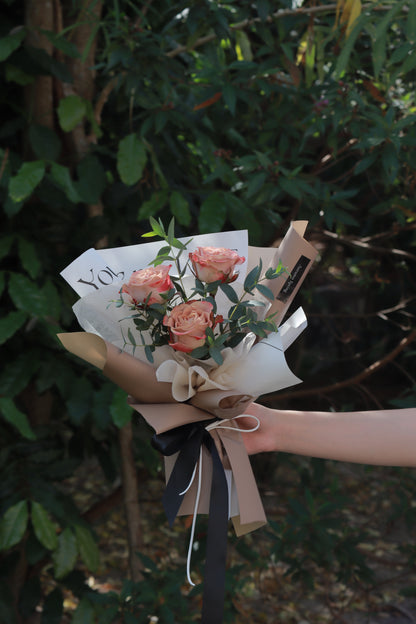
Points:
x=148 y=285
x=187 y=323
x=212 y=264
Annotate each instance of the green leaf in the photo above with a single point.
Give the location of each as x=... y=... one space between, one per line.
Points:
x=131 y=159
x=17 y=75
x=379 y=54
x=62 y=177
x=179 y=208
x=26 y=180
x=13 y=525
x=213 y=213
x=265 y=291
x=154 y=205
x=290 y=186
x=29 y=257
x=199 y=352
x=363 y=164
x=10 y=323
x=45 y=529
x=91 y=179
x=402 y=52
x=157 y=228
x=344 y=57
x=62 y=44
x=65 y=556
x=10 y=43
x=27 y=296
x=243 y=46
x=120 y=411
x=411 y=23
x=390 y=160
x=44 y=142
x=71 y=111
x=215 y=353
x=16 y=418
x=87 y=547
x=230 y=97
x=252 y=278
x=229 y=292
x=84 y=613
x=255 y=183
x=16 y=375
x=5 y=244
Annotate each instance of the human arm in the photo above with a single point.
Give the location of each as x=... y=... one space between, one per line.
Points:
x=381 y=437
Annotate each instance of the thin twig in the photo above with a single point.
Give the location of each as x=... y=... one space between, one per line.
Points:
x=353 y=242
x=363 y=315
x=351 y=381
x=327 y=8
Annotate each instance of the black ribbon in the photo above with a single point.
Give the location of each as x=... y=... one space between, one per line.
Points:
x=187 y=441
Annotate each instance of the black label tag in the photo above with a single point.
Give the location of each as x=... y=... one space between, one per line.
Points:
x=293 y=279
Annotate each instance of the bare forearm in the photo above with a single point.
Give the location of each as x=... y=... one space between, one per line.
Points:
x=384 y=437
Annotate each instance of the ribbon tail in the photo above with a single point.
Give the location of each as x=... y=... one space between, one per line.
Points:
x=214 y=575
x=181 y=476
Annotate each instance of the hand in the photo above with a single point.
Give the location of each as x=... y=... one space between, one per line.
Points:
x=265 y=438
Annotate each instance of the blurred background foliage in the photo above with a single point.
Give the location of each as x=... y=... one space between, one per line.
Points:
x=225 y=115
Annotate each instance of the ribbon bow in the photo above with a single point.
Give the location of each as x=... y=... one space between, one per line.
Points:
x=188 y=440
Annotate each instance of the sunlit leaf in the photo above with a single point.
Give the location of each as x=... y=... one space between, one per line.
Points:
x=131 y=159
x=26 y=180
x=71 y=111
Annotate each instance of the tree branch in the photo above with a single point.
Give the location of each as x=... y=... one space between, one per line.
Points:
x=327 y=8
x=354 y=242
x=131 y=499
x=352 y=381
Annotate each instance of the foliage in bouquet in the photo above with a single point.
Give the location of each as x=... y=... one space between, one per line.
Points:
x=170 y=310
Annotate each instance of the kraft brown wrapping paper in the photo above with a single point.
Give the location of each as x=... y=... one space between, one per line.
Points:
x=131 y=374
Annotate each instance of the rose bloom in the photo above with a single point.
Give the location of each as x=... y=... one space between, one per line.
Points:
x=187 y=323
x=153 y=281
x=212 y=264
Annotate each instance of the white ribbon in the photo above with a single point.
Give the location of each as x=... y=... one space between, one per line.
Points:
x=215 y=425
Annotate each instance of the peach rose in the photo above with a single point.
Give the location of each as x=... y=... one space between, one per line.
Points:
x=187 y=323
x=212 y=264
x=151 y=282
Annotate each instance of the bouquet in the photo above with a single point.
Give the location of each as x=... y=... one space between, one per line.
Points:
x=191 y=331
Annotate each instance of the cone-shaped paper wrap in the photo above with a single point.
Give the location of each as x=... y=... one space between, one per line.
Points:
x=211 y=391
